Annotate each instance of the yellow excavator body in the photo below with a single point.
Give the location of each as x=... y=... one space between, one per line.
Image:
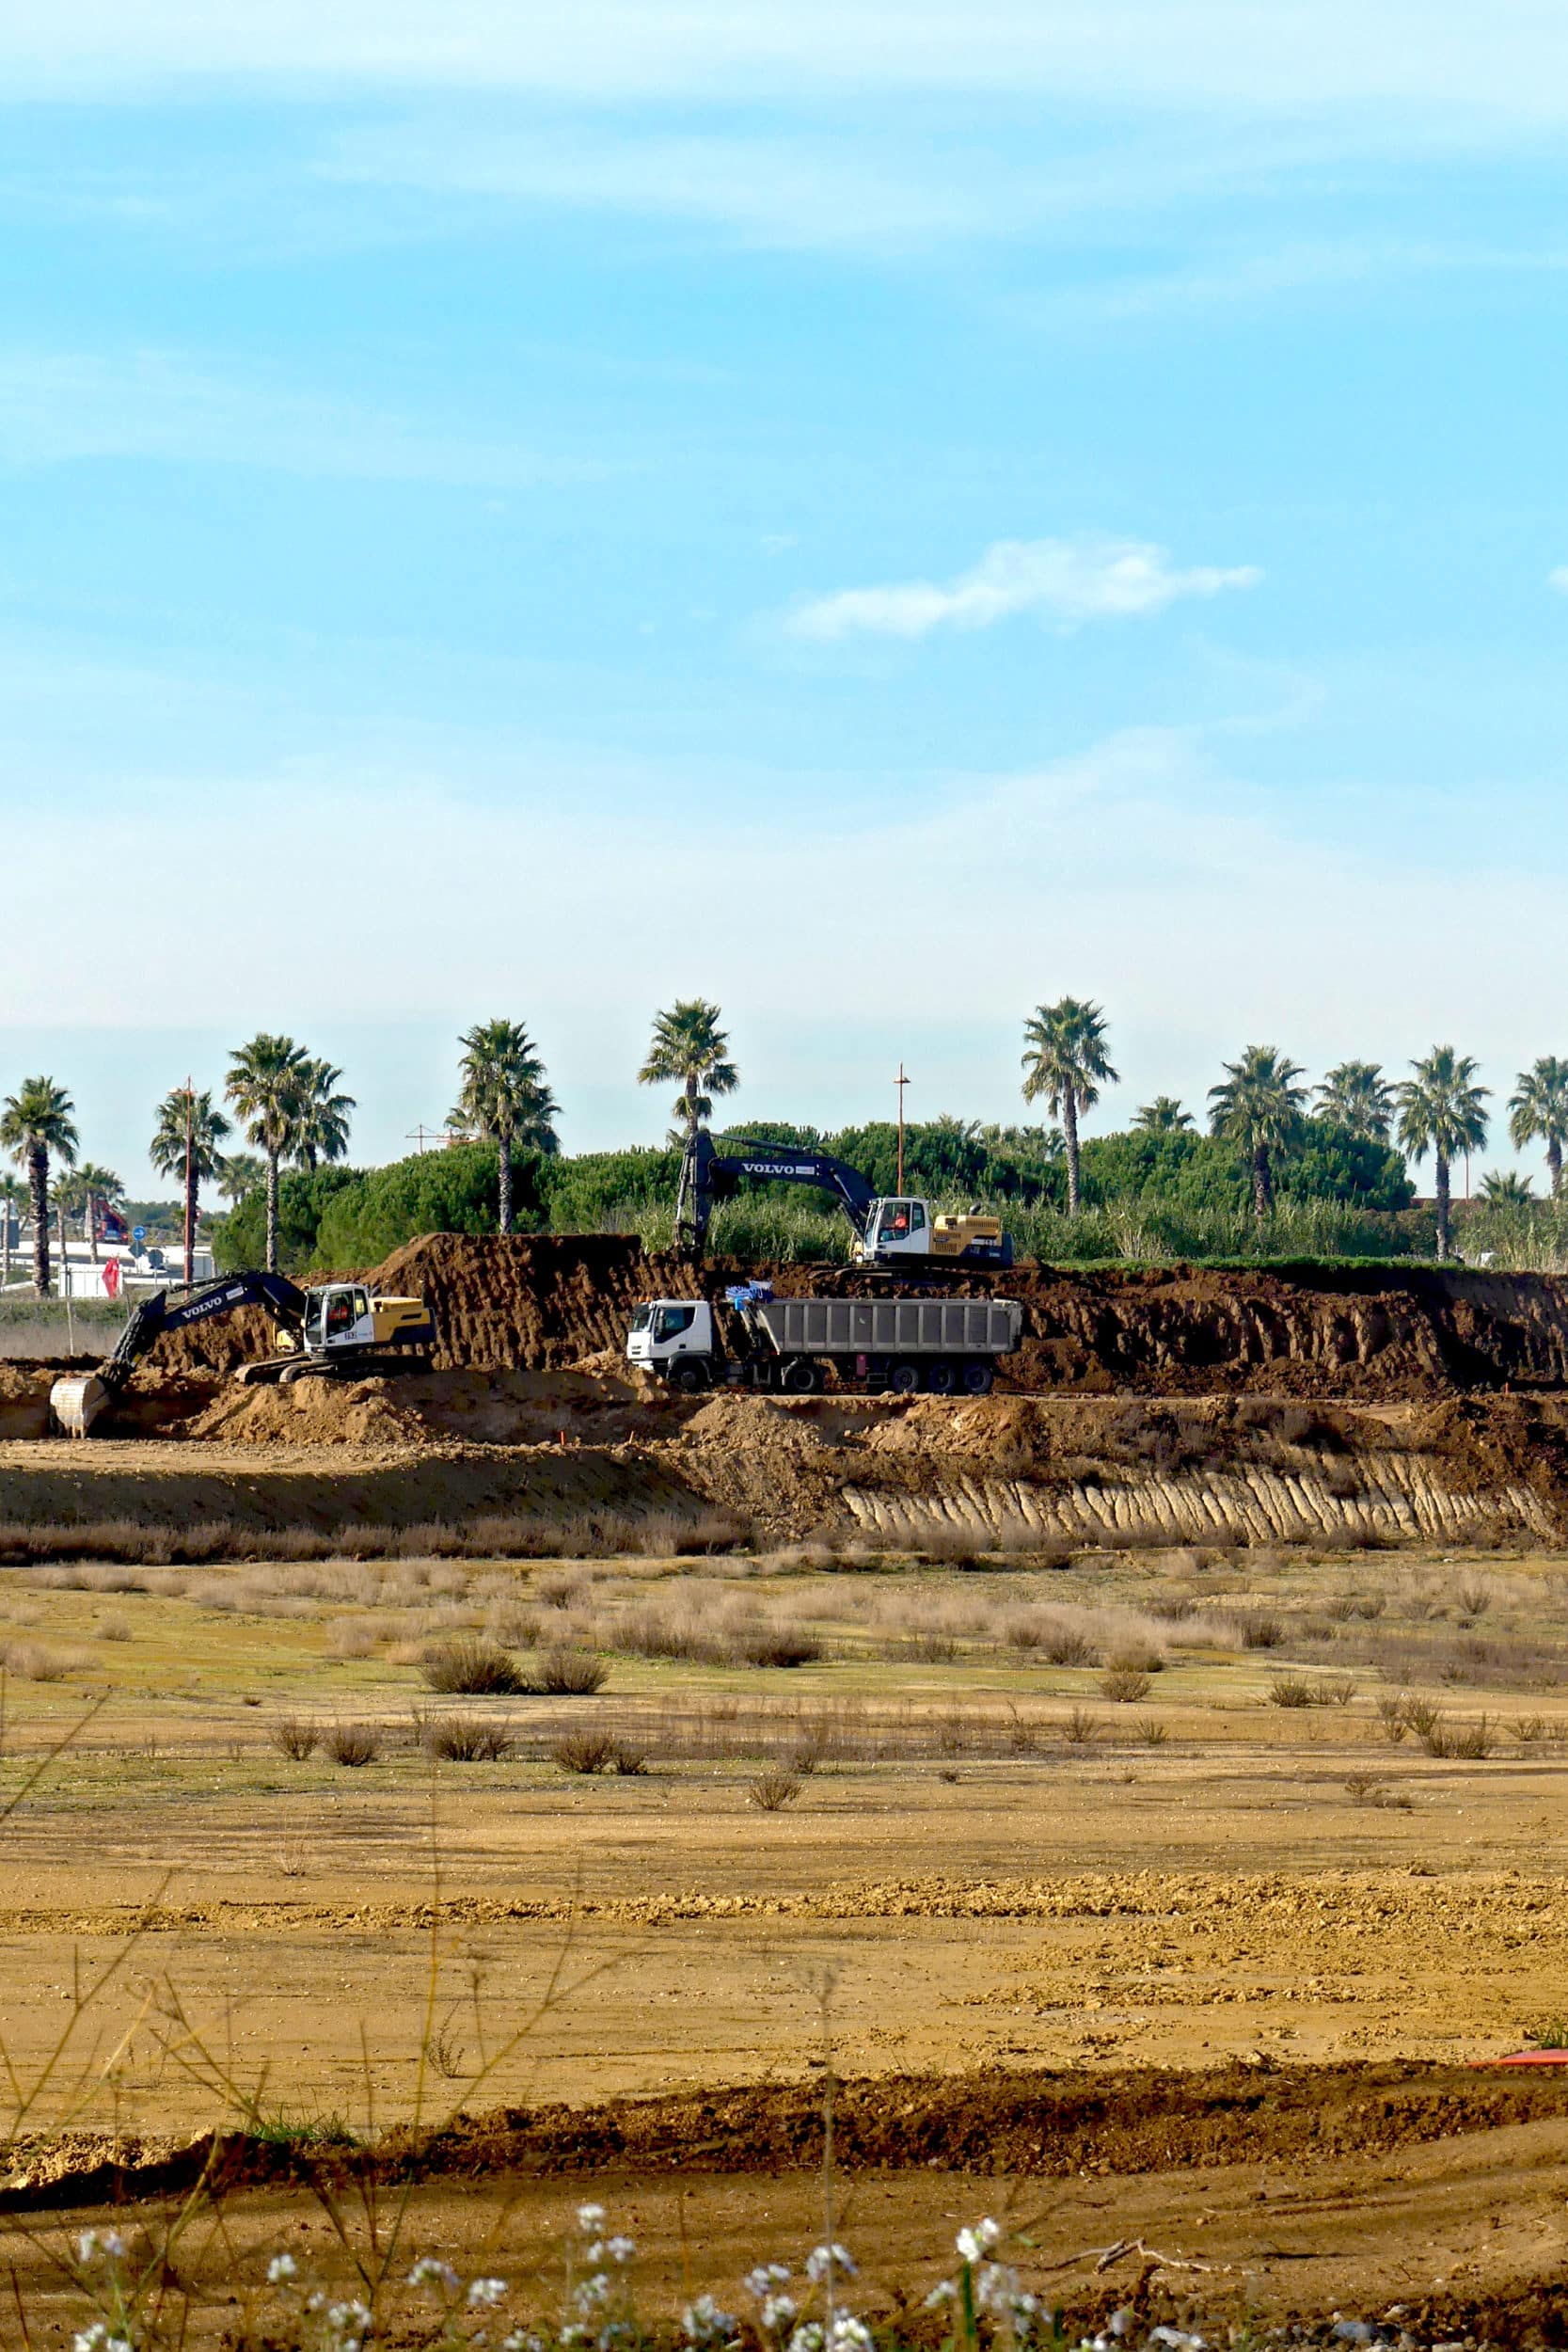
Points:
x=952 y=1235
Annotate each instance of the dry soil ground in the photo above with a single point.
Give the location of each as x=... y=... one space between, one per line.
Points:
x=991 y=1869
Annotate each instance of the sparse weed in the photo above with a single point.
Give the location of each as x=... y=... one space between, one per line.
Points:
x=585 y=1752
x=352 y=1744
x=773 y=1789
x=1081 y=1729
x=1125 y=1685
x=295 y=1736
x=465 y=1739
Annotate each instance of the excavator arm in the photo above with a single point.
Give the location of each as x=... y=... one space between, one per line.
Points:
x=77 y=1401
x=709 y=1176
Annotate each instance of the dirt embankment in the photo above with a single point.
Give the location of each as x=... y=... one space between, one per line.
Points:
x=544 y=1302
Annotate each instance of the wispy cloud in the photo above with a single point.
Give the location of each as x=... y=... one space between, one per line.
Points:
x=1069 y=581
x=1501 y=64
x=57 y=407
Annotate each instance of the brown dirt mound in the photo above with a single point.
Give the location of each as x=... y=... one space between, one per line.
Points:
x=25 y=1399
x=1368 y=1333
x=308 y=1412
x=1145 y=2120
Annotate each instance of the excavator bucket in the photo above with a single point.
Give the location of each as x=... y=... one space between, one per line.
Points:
x=76 y=1401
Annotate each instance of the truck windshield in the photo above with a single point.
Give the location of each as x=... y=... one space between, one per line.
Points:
x=642 y=1319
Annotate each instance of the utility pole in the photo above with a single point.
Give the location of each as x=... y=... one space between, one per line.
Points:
x=190 y=1220
x=902 y=1083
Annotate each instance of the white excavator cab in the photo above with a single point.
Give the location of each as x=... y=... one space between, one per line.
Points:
x=897 y=1227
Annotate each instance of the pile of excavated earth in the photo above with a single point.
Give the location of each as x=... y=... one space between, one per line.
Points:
x=1361 y=1405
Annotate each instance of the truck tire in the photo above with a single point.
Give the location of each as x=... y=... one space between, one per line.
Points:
x=904 y=1379
x=942 y=1379
x=803 y=1377
x=977 y=1379
x=689 y=1376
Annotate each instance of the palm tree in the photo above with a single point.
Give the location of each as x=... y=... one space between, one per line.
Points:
x=1165 y=1116
x=94 y=1186
x=185 y=1145
x=1356 y=1098
x=688 y=1046
x=321 y=1131
x=265 y=1085
x=1540 y=1108
x=1065 y=1061
x=1440 y=1112
x=10 y=1193
x=37 y=1120
x=1509 y=1191
x=504 y=1095
x=239 y=1173
x=1257 y=1107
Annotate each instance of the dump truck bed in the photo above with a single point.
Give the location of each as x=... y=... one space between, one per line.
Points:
x=890 y=1326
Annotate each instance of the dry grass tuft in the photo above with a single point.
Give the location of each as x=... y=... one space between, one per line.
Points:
x=1125 y=1685
x=295 y=1736
x=465 y=1739
x=585 y=1751
x=572 y=1674
x=471 y=1667
x=773 y=1789
x=352 y=1744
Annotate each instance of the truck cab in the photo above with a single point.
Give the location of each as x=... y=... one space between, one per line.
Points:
x=673 y=1337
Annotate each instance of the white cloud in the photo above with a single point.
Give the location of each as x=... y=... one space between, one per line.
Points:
x=60 y=406
x=1064 y=579
x=1505 y=63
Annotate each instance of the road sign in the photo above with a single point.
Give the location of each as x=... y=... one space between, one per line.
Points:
x=138 y=1234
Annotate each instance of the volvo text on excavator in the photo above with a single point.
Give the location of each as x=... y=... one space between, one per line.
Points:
x=341 y=1330
x=896 y=1232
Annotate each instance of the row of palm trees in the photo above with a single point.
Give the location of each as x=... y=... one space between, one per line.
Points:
x=1261 y=1105
x=291 y=1109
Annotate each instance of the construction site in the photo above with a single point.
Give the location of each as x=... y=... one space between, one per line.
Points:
x=1136 y=1789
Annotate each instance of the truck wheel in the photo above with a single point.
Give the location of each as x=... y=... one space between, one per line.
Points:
x=977 y=1379
x=689 y=1376
x=803 y=1377
x=942 y=1379
x=904 y=1379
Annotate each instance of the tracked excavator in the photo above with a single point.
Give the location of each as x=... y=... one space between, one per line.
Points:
x=341 y=1330
x=897 y=1234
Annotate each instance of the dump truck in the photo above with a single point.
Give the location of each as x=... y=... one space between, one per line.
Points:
x=946 y=1346
x=342 y=1329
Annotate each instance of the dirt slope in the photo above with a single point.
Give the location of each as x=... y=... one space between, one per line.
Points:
x=1367 y=1332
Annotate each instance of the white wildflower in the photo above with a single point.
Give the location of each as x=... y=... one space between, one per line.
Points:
x=848 y=2334
x=944 y=2291
x=280 y=2268
x=520 y=2341
x=777 y=2310
x=100 y=2246
x=429 y=2271
x=485 y=2294
x=620 y=2250
x=590 y=2218
x=763 y=2279
x=807 y=2338
x=704 y=2323
x=975 y=2244
x=590 y=2293
x=824 y=2260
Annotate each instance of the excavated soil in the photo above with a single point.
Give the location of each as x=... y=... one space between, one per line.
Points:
x=1372 y=1333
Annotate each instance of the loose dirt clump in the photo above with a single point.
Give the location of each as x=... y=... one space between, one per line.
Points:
x=308 y=1412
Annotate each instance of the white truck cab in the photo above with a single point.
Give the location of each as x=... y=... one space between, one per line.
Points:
x=897 y=1229
x=664 y=1330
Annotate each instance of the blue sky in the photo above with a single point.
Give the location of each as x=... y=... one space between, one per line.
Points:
x=882 y=516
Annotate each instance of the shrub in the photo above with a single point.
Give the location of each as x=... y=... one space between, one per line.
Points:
x=295 y=1736
x=773 y=1789
x=353 y=1744
x=1260 y=1630
x=1151 y=1731
x=774 y=1646
x=1067 y=1645
x=471 y=1667
x=1465 y=1743
x=1292 y=1691
x=629 y=1761
x=465 y=1739
x=1529 y=1728
x=572 y=1674
x=584 y=1751
x=1125 y=1684
x=1081 y=1728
